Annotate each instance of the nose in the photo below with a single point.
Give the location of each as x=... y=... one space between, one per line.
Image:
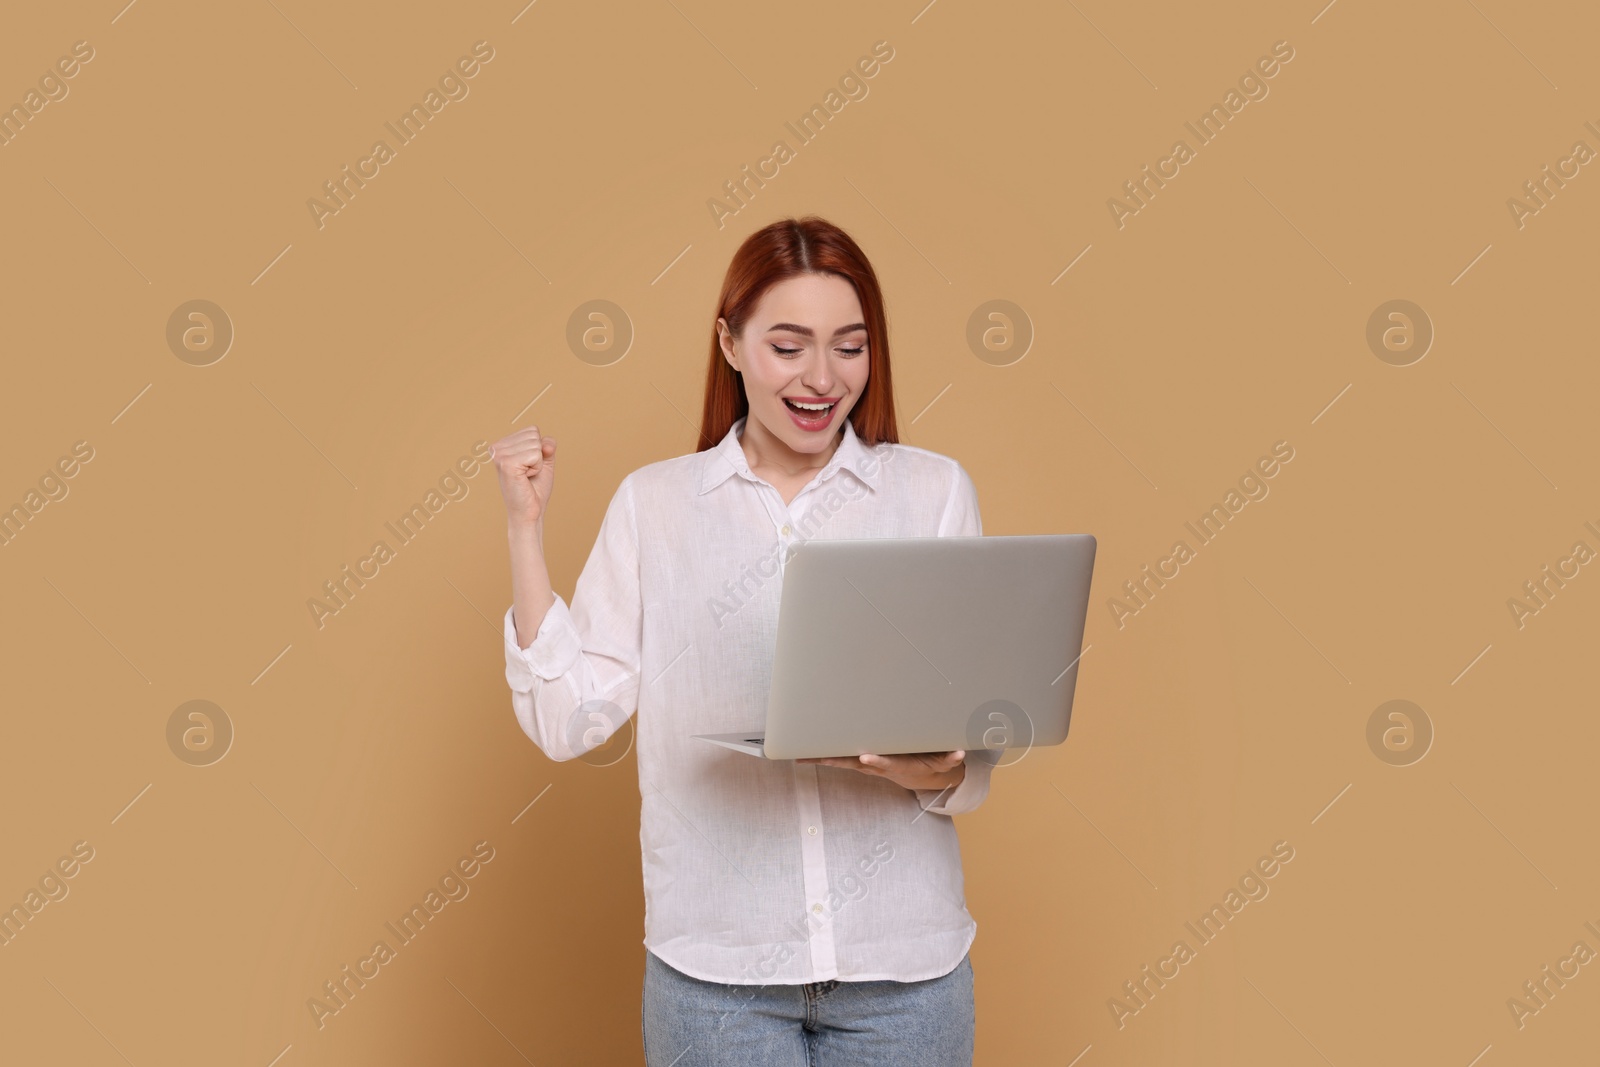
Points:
x=815 y=376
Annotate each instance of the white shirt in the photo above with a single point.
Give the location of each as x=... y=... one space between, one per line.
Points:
x=755 y=871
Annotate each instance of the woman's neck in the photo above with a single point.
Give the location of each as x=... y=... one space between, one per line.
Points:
x=766 y=454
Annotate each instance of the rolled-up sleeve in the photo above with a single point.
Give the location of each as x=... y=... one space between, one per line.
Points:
x=578 y=681
x=962 y=519
x=972 y=791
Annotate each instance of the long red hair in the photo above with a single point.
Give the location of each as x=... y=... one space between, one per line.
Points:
x=781 y=250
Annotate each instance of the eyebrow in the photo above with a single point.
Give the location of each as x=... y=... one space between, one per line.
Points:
x=806 y=331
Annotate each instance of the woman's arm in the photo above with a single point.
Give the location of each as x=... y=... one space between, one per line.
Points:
x=531 y=592
x=526 y=464
x=573 y=670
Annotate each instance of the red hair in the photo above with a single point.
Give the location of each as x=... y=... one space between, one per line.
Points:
x=781 y=250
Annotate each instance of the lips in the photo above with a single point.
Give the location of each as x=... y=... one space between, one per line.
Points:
x=813 y=420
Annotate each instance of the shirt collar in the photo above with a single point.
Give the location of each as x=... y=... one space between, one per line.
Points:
x=727 y=459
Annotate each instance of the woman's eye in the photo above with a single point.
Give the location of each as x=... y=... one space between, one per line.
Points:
x=794 y=351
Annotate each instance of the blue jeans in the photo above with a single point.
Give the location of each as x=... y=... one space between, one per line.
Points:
x=688 y=1022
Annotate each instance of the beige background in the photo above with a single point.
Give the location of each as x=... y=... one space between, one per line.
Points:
x=1230 y=313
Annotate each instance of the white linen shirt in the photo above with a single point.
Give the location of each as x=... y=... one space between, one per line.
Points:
x=755 y=871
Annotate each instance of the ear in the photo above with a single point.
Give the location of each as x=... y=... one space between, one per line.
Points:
x=725 y=339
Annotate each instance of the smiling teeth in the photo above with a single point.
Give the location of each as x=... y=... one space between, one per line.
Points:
x=810 y=407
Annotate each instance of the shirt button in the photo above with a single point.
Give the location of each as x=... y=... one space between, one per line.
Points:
x=817 y=908
x=784 y=531
x=812 y=830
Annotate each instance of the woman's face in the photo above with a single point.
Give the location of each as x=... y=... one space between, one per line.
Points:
x=806 y=343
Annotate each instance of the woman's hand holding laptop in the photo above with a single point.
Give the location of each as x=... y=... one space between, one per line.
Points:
x=916 y=770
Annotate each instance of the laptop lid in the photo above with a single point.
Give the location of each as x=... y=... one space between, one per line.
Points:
x=928 y=644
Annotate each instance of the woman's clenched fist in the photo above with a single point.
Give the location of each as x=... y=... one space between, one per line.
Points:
x=526 y=464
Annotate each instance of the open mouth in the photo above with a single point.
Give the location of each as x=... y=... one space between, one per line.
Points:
x=809 y=411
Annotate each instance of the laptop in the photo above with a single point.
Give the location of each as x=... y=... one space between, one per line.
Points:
x=924 y=644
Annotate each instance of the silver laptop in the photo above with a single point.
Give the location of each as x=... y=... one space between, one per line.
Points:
x=924 y=644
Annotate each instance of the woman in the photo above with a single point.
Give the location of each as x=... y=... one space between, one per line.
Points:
x=796 y=911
